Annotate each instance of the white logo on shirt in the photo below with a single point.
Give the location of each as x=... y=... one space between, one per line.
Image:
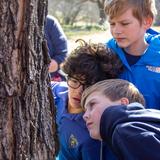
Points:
x=153 y=69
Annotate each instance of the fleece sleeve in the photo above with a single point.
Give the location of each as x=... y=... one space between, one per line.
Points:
x=132 y=132
x=56 y=40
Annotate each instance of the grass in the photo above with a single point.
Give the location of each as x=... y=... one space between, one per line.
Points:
x=157 y=28
x=74 y=31
x=87 y=34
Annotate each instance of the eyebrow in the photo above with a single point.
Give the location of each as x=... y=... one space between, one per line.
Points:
x=122 y=21
x=89 y=102
x=78 y=79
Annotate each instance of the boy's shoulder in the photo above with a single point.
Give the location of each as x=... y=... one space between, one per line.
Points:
x=59 y=88
x=151 y=34
x=152 y=31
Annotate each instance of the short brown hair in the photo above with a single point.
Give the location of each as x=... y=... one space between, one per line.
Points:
x=115 y=89
x=93 y=62
x=141 y=8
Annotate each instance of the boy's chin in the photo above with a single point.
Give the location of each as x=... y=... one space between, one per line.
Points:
x=122 y=44
x=95 y=136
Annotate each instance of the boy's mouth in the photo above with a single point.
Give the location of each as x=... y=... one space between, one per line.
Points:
x=77 y=99
x=89 y=125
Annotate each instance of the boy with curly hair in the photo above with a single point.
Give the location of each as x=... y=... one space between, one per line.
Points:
x=86 y=65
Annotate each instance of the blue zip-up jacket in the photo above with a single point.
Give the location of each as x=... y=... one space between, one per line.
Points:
x=56 y=39
x=145 y=74
x=75 y=142
x=133 y=132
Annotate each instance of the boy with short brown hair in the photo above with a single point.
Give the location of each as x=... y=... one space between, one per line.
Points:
x=136 y=44
x=114 y=114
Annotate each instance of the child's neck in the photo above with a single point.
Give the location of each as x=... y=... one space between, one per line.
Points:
x=137 y=49
x=74 y=110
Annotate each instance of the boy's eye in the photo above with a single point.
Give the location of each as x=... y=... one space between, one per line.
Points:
x=112 y=24
x=74 y=81
x=125 y=24
x=91 y=105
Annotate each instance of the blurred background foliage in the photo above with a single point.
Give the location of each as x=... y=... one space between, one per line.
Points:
x=70 y=12
x=83 y=16
x=79 y=16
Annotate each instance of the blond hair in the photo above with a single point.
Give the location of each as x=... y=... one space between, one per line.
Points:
x=114 y=89
x=141 y=8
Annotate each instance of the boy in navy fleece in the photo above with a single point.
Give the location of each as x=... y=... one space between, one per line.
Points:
x=115 y=114
x=57 y=46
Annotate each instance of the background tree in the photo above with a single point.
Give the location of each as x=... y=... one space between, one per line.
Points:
x=100 y=4
x=157 y=20
x=71 y=11
x=27 y=126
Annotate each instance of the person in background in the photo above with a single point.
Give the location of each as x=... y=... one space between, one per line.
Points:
x=57 y=45
x=136 y=44
x=84 y=66
x=115 y=114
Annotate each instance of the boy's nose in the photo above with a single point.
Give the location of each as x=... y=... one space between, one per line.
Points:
x=85 y=116
x=80 y=89
x=117 y=29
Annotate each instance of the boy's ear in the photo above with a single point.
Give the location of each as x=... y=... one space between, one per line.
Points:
x=147 y=22
x=124 y=101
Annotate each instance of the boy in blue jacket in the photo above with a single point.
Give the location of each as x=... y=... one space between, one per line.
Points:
x=86 y=65
x=137 y=45
x=115 y=114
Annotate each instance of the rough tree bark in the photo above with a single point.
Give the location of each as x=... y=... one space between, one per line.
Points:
x=102 y=15
x=100 y=4
x=27 y=126
x=157 y=19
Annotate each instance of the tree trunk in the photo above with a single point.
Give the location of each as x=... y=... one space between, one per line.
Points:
x=157 y=19
x=102 y=15
x=27 y=125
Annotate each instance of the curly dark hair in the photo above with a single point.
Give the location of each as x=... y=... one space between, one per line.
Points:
x=93 y=62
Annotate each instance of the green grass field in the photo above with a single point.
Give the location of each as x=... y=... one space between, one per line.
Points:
x=81 y=31
x=72 y=31
x=93 y=35
x=157 y=28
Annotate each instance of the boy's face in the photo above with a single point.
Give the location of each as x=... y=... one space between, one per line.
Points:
x=75 y=89
x=95 y=104
x=127 y=31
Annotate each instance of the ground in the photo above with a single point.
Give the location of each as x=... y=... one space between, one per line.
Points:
x=97 y=37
